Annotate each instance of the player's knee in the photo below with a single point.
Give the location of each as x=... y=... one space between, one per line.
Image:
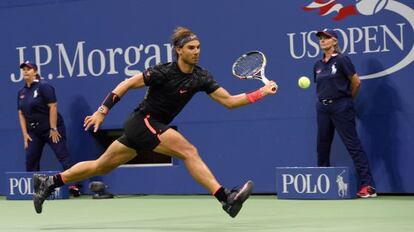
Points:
x=102 y=167
x=190 y=152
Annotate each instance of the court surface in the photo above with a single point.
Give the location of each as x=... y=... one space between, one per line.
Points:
x=203 y=213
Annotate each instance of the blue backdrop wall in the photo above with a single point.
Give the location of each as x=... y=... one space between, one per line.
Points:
x=85 y=47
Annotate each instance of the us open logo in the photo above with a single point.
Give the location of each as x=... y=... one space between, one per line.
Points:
x=362 y=8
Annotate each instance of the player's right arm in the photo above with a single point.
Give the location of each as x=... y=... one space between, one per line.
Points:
x=26 y=136
x=223 y=97
x=96 y=120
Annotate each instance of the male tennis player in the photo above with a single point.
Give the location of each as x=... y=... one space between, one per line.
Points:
x=171 y=86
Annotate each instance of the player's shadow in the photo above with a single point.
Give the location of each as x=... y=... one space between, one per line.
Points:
x=379 y=127
x=83 y=146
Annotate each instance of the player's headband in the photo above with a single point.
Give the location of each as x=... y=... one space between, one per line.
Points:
x=186 y=39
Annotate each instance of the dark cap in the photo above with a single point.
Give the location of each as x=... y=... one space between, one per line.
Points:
x=328 y=32
x=29 y=64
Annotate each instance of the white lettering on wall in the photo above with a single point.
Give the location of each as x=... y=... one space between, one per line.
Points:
x=355 y=40
x=81 y=61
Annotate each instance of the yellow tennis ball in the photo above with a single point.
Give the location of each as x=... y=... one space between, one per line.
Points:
x=304 y=82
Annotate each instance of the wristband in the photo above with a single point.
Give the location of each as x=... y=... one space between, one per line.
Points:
x=110 y=100
x=254 y=96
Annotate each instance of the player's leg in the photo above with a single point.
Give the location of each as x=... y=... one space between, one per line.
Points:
x=115 y=155
x=174 y=144
x=145 y=133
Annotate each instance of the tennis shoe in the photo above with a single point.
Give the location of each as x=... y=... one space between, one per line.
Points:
x=236 y=198
x=42 y=190
x=367 y=192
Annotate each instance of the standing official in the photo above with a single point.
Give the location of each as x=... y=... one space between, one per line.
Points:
x=337 y=83
x=40 y=121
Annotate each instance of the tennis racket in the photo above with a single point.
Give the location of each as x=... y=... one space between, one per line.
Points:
x=251 y=66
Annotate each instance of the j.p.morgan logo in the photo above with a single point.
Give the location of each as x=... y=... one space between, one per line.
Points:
x=368 y=36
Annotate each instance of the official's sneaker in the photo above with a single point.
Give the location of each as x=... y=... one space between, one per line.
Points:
x=367 y=192
x=42 y=190
x=74 y=191
x=236 y=198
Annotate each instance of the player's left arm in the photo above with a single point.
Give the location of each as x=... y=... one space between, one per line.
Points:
x=97 y=118
x=223 y=97
x=135 y=82
x=355 y=84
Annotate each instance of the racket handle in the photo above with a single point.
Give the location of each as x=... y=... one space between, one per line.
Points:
x=265 y=81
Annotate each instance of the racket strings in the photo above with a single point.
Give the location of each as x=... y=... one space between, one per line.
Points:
x=249 y=64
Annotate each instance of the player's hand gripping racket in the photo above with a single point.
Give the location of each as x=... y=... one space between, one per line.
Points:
x=251 y=66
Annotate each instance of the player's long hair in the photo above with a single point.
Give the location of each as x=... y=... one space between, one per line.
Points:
x=179 y=34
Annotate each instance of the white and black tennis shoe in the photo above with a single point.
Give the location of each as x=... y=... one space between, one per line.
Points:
x=236 y=198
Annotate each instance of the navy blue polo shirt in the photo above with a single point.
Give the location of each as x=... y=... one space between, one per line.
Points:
x=33 y=102
x=332 y=77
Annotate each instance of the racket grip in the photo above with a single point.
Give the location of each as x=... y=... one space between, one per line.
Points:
x=265 y=81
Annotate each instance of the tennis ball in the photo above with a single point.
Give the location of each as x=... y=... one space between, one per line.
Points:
x=304 y=82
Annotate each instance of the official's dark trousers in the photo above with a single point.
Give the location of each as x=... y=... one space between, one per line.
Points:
x=35 y=148
x=339 y=114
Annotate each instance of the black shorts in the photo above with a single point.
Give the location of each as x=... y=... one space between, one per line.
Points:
x=141 y=132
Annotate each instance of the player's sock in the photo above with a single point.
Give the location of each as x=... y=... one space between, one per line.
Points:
x=221 y=195
x=57 y=181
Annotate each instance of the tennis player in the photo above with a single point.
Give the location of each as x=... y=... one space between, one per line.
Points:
x=171 y=86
